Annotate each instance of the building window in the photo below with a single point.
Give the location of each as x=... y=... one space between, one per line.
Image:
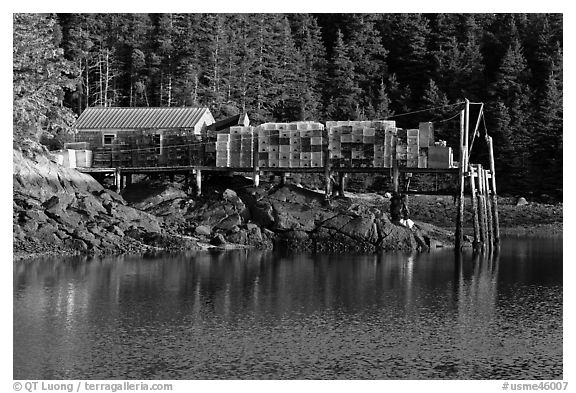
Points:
x=109 y=139
x=157 y=143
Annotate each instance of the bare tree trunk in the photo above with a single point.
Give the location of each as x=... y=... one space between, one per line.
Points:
x=169 y=89
x=195 y=94
x=101 y=99
x=161 y=87
x=107 y=79
x=87 y=83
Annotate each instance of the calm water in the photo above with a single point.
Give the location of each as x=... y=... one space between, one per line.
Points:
x=252 y=315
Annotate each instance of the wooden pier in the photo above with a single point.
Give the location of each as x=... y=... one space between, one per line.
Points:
x=481 y=181
x=122 y=175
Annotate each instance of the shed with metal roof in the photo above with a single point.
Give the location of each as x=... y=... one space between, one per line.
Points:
x=103 y=126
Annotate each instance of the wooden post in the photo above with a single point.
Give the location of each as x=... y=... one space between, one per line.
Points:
x=128 y=180
x=460 y=212
x=494 y=195
x=473 y=177
x=256 y=175
x=198 y=182
x=488 y=209
x=341 y=183
x=482 y=205
x=395 y=174
x=466 y=131
x=327 y=170
x=282 y=179
x=118 y=180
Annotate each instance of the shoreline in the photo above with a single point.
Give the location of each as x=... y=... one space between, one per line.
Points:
x=553 y=230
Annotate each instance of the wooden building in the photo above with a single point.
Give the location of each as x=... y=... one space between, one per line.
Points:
x=144 y=136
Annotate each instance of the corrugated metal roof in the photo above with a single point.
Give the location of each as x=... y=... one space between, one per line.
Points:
x=133 y=118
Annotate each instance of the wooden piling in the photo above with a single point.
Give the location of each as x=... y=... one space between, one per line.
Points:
x=341 y=183
x=460 y=212
x=488 y=209
x=473 y=177
x=256 y=175
x=118 y=180
x=198 y=182
x=327 y=173
x=282 y=179
x=481 y=205
x=493 y=195
x=395 y=175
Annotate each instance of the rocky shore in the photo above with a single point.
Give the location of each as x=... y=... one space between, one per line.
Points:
x=61 y=211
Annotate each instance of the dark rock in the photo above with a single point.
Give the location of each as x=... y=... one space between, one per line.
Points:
x=234 y=229
x=255 y=234
x=240 y=237
x=115 y=230
x=76 y=244
x=62 y=235
x=53 y=202
x=218 y=240
x=92 y=206
x=229 y=222
x=111 y=195
x=37 y=216
x=133 y=233
x=296 y=235
x=67 y=217
x=169 y=197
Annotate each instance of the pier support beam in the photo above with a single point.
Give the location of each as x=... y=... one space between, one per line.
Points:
x=395 y=175
x=493 y=195
x=463 y=168
x=341 y=183
x=198 y=182
x=473 y=177
x=118 y=180
x=327 y=172
x=482 y=205
x=488 y=209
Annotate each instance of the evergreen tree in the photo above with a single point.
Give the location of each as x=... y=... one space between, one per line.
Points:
x=368 y=56
x=344 y=92
x=307 y=37
x=383 y=109
x=406 y=37
x=40 y=76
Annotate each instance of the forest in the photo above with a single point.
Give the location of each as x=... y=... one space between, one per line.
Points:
x=288 y=67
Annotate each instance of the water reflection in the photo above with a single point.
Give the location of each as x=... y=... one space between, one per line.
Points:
x=251 y=314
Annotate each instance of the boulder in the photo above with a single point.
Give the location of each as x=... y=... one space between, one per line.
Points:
x=262 y=213
x=167 y=196
x=227 y=223
x=203 y=230
x=218 y=240
x=37 y=216
x=521 y=201
x=106 y=194
x=75 y=244
x=240 y=237
x=52 y=203
x=229 y=195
